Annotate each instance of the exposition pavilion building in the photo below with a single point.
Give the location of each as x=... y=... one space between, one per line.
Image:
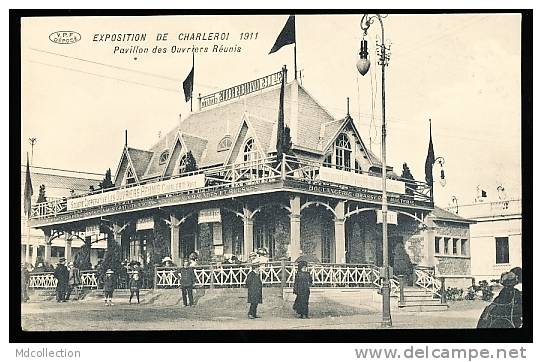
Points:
x=321 y=200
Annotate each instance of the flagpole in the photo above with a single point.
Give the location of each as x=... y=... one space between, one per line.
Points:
x=295 y=59
x=193 y=78
x=27 y=251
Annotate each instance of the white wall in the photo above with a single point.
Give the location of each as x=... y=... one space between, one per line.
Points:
x=483 y=253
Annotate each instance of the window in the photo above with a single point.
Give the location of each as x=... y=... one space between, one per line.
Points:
x=357 y=167
x=249 y=152
x=342 y=152
x=182 y=165
x=437 y=245
x=464 y=247
x=57 y=251
x=326 y=244
x=502 y=250
x=446 y=245
x=327 y=160
x=454 y=246
x=130 y=176
x=164 y=157
x=258 y=237
x=224 y=144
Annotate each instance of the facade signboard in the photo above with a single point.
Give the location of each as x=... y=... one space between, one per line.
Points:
x=137 y=192
x=145 y=223
x=241 y=90
x=209 y=215
x=93 y=229
x=391 y=216
x=360 y=180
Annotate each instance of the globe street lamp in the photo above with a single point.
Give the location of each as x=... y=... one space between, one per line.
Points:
x=363 y=65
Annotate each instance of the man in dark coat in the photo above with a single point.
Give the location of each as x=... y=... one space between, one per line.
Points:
x=506 y=309
x=62 y=276
x=25 y=280
x=302 y=285
x=188 y=279
x=254 y=286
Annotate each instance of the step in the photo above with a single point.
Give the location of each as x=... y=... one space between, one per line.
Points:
x=423 y=307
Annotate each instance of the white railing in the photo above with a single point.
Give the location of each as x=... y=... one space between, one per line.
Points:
x=427 y=281
x=323 y=275
x=46 y=280
x=266 y=169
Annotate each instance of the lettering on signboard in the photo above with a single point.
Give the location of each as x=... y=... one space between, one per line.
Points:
x=209 y=215
x=241 y=90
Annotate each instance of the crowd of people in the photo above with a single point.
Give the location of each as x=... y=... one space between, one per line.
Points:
x=505 y=311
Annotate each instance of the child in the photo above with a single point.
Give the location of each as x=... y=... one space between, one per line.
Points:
x=134 y=285
x=109 y=287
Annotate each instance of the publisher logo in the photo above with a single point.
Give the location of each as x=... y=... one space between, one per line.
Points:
x=65 y=37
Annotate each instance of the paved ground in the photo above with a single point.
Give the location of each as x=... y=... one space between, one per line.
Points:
x=161 y=311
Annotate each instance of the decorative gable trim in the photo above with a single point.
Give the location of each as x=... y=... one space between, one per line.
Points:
x=236 y=139
x=126 y=154
x=178 y=139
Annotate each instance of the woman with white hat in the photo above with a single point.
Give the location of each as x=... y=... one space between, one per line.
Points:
x=109 y=287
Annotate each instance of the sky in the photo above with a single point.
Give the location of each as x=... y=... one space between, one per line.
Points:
x=461 y=71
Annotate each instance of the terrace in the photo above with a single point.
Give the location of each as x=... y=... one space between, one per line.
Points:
x=264 y=175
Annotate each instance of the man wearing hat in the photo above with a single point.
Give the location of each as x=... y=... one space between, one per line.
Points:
x=25 y=280
x=188 y=279
x=62 y=276
x=302 y=289
x=506 y=309
x=254 y=286
x=168 y=262
x=134 y=284
x=74 y=280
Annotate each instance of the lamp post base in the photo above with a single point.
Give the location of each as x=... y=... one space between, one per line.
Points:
x=386 y=312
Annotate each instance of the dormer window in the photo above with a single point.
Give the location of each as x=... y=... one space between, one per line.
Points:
x=224 y=144
x=250 y=152
x=182 y=165
x=343 y=150
x=164 y=157
x=130 y=176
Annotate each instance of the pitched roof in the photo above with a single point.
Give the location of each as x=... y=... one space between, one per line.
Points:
x=441 y=214
x=140 y=160
x=58 y=185
x=202 y=131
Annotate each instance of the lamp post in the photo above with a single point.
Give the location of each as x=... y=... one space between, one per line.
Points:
x=363 y=65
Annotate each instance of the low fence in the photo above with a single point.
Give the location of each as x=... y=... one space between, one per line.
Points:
x=278 y=274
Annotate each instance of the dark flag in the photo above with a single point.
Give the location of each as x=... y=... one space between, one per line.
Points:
x=188 y=85
x=280 y=123
x=286 y=36
x=429 y=160
x=28 y=191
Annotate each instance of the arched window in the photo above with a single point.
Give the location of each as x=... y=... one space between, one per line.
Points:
x=224 y=144
x=343 y=151
x=250 y=152
x=130 y=176
x=164 y=157
x=182 y=165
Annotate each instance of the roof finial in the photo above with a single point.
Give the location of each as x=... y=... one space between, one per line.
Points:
x=348 y=106
x=125 y=138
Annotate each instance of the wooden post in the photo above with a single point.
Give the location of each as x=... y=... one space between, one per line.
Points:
x=442 y=290
x=282 y=276
x=155 y=278
x=212 y=278
x=401 y=290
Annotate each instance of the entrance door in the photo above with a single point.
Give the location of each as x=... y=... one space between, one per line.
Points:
x=187 y=245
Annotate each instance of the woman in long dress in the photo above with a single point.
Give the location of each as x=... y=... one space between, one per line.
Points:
x=302 y=285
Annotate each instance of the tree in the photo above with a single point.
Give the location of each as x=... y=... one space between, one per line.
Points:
x=401 y=261
x=407 y=175
x=106 y=183
x=191 y=164
x=41 y=195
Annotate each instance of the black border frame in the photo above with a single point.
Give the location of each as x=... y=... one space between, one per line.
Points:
x=524 y=335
